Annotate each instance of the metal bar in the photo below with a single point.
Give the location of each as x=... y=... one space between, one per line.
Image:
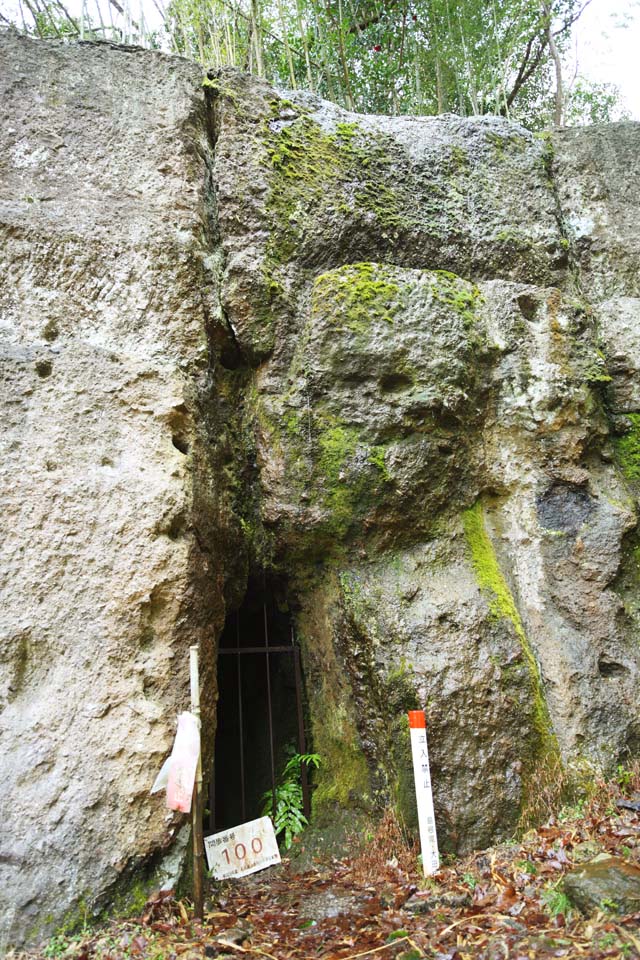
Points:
x=302 y=746
x=269 y=708
x=236 y=650
x=212 y=797
x=239 y=666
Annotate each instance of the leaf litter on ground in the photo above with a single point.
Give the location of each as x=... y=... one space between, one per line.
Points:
x=503 y=902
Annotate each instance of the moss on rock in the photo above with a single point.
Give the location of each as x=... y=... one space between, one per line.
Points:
x=502 y=606
x=355 y=295
x=460 y=295
x=345 y=775
x=628 y=449
x=314 y=172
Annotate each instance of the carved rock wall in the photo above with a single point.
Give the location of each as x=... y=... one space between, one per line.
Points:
x=104 y=344
x=394 y=358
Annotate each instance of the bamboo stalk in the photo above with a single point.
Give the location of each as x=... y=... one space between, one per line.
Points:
x=287 y=48
x=557 y=62
x=257 y=35
x=348 y=95
x=305 y=46
x=394 y=93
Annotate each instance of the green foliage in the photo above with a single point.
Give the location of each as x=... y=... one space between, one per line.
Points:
x=435 y=56
x=397 y=935
x=556 y=902
x=571 y=811
x=609 y=906
x=60 y=944
x=468 y=57
x=623 y=777
x=288 y=817
x=591 y=102
x=414 y=953
x=52 y=19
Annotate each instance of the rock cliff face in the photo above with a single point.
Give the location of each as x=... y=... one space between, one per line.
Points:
x=394 y=359
x=107 y=573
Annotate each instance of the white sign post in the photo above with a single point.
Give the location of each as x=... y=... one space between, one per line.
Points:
x=424 y=795
x=242 y=850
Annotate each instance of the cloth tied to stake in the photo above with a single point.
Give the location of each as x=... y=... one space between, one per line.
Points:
x=178 y=773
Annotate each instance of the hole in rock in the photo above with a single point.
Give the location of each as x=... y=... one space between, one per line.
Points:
x=44 y=368
x=609 y=668
x=260 y=705
x=394 y=382
x=180 y=444
x=230 y=357
x=50 y=331
x=528 y=306
x=177 y=526
x=564 y=507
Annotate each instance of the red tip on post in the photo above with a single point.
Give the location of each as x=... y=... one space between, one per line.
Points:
x=417 y=720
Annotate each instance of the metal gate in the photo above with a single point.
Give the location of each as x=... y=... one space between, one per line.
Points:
x=266 y=652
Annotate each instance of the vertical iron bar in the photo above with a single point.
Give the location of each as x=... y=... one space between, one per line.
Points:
x=268 y=666
x=240 y=717
x=302 y=746
x=212 y=796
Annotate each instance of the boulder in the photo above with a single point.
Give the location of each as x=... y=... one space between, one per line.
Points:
x=605 y=883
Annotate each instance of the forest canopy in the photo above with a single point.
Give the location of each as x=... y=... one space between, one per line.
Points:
x=468 y=57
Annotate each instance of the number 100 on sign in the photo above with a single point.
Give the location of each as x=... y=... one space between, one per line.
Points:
x=242 y=850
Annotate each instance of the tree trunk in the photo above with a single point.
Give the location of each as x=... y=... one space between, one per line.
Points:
x=257 y=36
x=305 y=46
x=287 y=48
x=348 y=95
x=557 y=62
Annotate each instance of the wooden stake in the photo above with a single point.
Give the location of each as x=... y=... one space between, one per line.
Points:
x=196 y=806
x=424 y=795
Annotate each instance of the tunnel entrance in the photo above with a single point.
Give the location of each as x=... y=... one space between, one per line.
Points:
x=260 y=716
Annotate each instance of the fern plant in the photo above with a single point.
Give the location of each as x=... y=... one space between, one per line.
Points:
x=288 y=817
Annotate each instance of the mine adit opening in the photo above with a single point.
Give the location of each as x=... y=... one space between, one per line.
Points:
x=260 y=713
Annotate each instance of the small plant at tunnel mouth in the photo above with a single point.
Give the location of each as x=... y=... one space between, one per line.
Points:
x=288 y=815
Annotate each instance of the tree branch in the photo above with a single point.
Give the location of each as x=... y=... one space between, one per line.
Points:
x=526 y=72
x=569 y=23
x=370 y=21
x=529 y=66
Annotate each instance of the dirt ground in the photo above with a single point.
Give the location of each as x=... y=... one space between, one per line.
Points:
x=506 y=902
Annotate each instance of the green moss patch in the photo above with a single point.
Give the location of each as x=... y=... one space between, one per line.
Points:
x=502 y=606
x=355 y=295
x=344 y=780
x=347 y=474
x=628 y=449
x=315 y=173
x=459 y=295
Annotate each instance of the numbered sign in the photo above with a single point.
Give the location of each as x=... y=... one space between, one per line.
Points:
x=424 y=796
x=242 y=850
